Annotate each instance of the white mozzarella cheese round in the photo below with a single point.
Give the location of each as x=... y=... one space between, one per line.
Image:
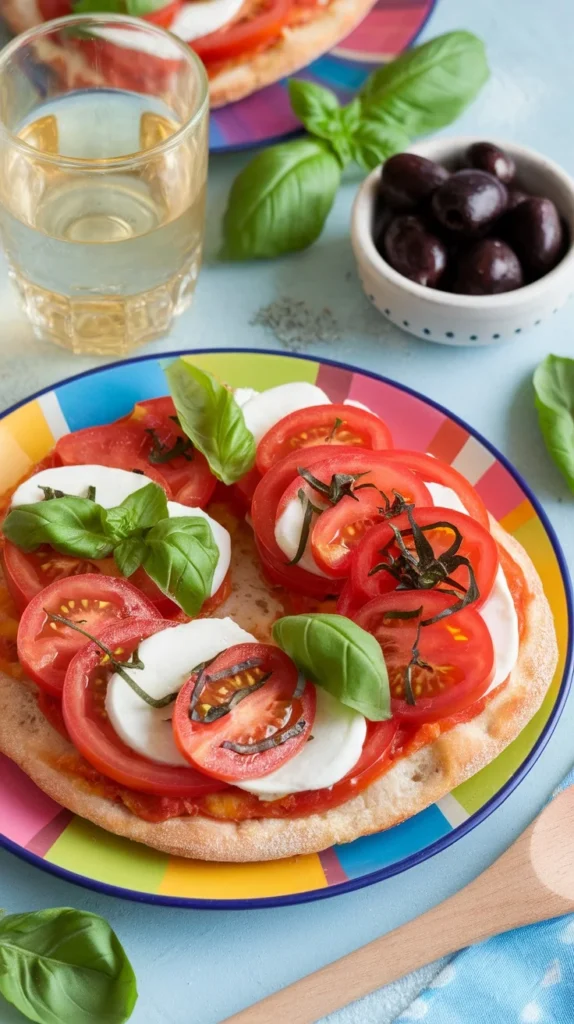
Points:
x=202 y=17
x=169 y=658
x=338 y=736
x=288 y=533
x=112 y=487
x=264 y=409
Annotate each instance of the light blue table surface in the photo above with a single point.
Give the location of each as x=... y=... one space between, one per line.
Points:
x=198 y=967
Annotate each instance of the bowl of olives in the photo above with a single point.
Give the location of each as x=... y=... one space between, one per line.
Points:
x=466 y=242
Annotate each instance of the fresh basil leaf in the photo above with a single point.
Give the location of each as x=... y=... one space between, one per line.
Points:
x=351 y=115
x=129 y=555
x=429 y=86
x=138 y=8
x=181 y=558
x=98 y=6
x=73 y=526
x=313 y=104
x=373 y=142
x=65 y=966
x=338 y=655
x=209 y=415
x=140 y=510
x=554 y=391
x=280 y=201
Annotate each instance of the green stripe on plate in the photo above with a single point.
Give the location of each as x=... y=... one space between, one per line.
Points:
x=108 y=858
x=242 y=370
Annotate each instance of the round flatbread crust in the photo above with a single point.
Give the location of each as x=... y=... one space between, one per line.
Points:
x=297 y=47
x=412 y=784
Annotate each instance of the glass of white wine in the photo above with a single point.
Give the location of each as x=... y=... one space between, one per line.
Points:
x=103 y=166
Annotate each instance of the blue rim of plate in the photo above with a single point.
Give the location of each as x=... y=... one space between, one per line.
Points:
x=350 y=885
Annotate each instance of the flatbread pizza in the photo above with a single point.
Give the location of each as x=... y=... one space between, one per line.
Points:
x=298 y=701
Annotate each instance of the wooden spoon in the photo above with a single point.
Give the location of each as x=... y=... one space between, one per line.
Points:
x=532 y=881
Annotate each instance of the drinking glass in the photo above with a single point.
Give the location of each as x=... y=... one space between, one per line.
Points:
x=103 y=166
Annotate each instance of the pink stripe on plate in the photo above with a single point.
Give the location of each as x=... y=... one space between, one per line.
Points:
x=383 y=31
x=46 y=837
x=24 y=809
x=260 y=115
x=335 y=381
x=499 y=491
x=334 y=873
x=412 y=423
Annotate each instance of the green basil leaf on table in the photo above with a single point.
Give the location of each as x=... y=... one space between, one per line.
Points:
x=140 y=510
x=129 y=555
x=211 y=418
x=314 y=105
x=428 y=87
x=339 y=656
x=554 y=396
x=73 y=526
x=280 y=201
x=373 y=142
x=181 y=557
x=65 y=966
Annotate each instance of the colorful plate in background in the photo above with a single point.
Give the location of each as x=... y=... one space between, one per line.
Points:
x=45 y=834
x=266 y=116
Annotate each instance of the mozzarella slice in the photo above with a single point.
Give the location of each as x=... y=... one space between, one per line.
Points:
x=264 y=409
x=288 y=533
x=169 y=658
x=112 y=486
x=498 y=611
x=338 y=736
x=203 y=16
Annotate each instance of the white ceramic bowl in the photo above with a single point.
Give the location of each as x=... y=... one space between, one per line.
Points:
x=466 y=319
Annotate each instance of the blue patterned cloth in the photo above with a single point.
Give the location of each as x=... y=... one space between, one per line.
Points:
x=523 y=977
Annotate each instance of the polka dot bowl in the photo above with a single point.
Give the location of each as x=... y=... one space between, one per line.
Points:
x=466 y=319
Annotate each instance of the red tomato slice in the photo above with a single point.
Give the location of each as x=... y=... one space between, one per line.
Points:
x=45 y=647
x=271 y=710
x=318 y=425
x=244 y=34
x=338 y=530
x=164 y=15
x=457 y=652
x=263 y=513
x=477 y=545
x=112 y=445
x=438 y=472
x=83 y=706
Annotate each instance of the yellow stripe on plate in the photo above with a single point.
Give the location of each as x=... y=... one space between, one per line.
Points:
x=25 y=438
x=519 y=515
x=205 y=880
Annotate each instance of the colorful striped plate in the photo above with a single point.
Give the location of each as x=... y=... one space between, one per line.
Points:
x=47 y=835
x=266 y=116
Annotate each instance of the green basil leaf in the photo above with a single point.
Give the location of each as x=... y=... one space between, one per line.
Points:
x=311 y=103
x=280 y=201
x=429 y=86
x=211 y=418
x=351 y=115
x=129 y=555
x=374 y=142
x=338 y=655
x=73 y=526
x=181 y=557
x=554 y=391
x=138 y=8
x=65 y=966
x=99 y=6
x=140 y=510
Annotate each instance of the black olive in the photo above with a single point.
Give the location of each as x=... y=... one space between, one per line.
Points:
x=413 y=251
x=407 y=180
x=469 y=202
x=485 y=156
x=515 y=197
x=535 y=232
x=487 y=268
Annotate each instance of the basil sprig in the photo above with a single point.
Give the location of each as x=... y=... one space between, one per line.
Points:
x=137 y=8
x=65 y=966
x=554 y=396
x=180 y=555
x=209 y=415
x=280 y=201
x=339 y=656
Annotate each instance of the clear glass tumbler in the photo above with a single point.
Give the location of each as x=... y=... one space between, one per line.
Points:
x=103 y=166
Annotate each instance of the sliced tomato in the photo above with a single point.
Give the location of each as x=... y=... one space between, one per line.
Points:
x=83 y=706
x=164 y=15
x=266 y=498
x=272 y=709
x=455 y=654
x=112 y=445
x=477 y=545
x=50 y=9
x=46 y=647
x=339 y=528
x=319 y=425
x=244 y=33
x=438 y=472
